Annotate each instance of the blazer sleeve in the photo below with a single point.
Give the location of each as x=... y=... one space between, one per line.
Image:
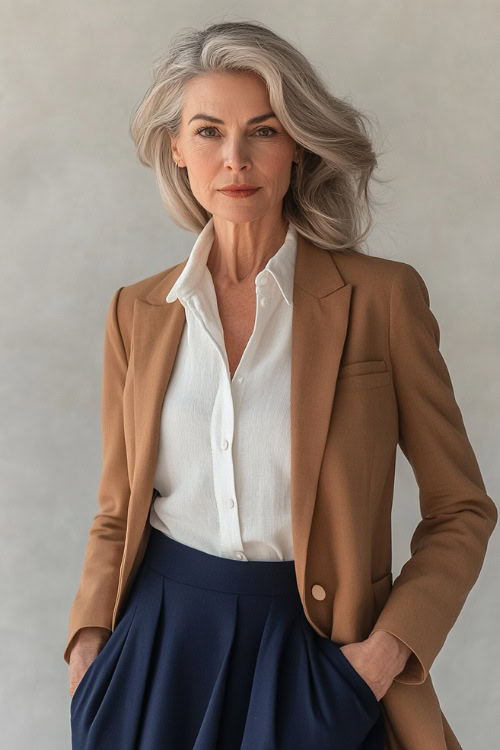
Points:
x=95 y=598
x=448 y=545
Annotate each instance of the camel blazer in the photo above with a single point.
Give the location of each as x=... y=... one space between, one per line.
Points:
x=367 y=375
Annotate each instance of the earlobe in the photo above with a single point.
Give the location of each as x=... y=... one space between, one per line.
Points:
x=176 y=159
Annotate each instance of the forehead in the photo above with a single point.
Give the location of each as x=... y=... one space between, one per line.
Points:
x=226 y=94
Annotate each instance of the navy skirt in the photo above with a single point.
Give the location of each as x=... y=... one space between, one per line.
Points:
x=211 y=653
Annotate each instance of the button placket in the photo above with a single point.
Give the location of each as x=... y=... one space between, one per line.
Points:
x=222 y=422
x=223 y=413
x=224 y=475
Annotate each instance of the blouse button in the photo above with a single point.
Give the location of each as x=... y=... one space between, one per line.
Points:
x=224 y=444
x=263 y=301
x=318 y=592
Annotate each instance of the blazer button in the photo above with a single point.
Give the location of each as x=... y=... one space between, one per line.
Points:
x=318 y=591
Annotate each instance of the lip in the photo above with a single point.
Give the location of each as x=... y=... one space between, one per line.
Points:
x=238 y=194
x=239 y=188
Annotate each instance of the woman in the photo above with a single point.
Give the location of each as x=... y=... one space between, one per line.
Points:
x=237 y=589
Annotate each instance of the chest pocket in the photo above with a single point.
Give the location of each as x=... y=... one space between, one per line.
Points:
x=360 y=375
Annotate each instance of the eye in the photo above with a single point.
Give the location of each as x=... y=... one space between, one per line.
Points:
x=267 y=127
x=211 y=127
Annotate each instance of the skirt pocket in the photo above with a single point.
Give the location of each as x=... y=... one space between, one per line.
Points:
x=357 y=677
x=306 y=692
x=354 y=708
x=90 y=690
x=87 y=674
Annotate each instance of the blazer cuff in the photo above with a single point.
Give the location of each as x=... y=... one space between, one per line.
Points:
x=414 y=672
x=73 y=634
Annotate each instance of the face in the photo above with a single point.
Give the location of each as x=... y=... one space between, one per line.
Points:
x=233 y=149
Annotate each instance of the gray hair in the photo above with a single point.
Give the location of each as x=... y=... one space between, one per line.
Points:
x=329 y=194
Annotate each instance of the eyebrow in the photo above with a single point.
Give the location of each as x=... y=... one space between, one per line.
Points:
x=252 y=121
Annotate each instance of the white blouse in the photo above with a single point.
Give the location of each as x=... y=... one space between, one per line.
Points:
x=223 y=468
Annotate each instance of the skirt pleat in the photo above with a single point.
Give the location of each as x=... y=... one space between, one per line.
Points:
x=211 y=653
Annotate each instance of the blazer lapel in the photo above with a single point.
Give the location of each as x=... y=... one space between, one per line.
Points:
x=157 y=329
x=321 y=302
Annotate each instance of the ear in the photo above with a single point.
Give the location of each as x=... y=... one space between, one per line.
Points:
x=175 y=151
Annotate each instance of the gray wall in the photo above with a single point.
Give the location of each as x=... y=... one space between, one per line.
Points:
x=81 y=217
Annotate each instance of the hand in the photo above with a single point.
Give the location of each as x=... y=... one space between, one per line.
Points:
x=378 y=659
x=88 y=643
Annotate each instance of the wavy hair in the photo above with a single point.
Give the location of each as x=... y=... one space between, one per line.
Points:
x=329 y=196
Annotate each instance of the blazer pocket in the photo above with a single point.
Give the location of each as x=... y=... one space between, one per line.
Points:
x=368 y=374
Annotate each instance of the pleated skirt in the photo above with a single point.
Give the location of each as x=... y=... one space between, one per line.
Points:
x=211 y=653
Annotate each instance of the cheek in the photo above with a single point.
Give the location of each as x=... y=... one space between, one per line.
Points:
x=278 y=165
x=202 y=170
x=278 y=174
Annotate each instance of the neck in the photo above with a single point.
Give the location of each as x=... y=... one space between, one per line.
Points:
x=240 y=251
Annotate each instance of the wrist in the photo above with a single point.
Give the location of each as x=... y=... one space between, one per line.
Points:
x=389 y=650
x=89 y=636
x=390 y=642
x=93 y=632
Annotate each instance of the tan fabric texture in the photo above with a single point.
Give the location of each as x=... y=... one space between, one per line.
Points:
x=367 y=375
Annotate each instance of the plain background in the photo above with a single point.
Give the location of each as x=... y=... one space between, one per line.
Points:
x=81 y=217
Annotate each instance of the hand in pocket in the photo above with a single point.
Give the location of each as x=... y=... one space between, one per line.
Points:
x=359 y=660
x=89 y=643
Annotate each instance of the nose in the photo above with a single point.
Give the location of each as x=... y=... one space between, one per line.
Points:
x=236 y=154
